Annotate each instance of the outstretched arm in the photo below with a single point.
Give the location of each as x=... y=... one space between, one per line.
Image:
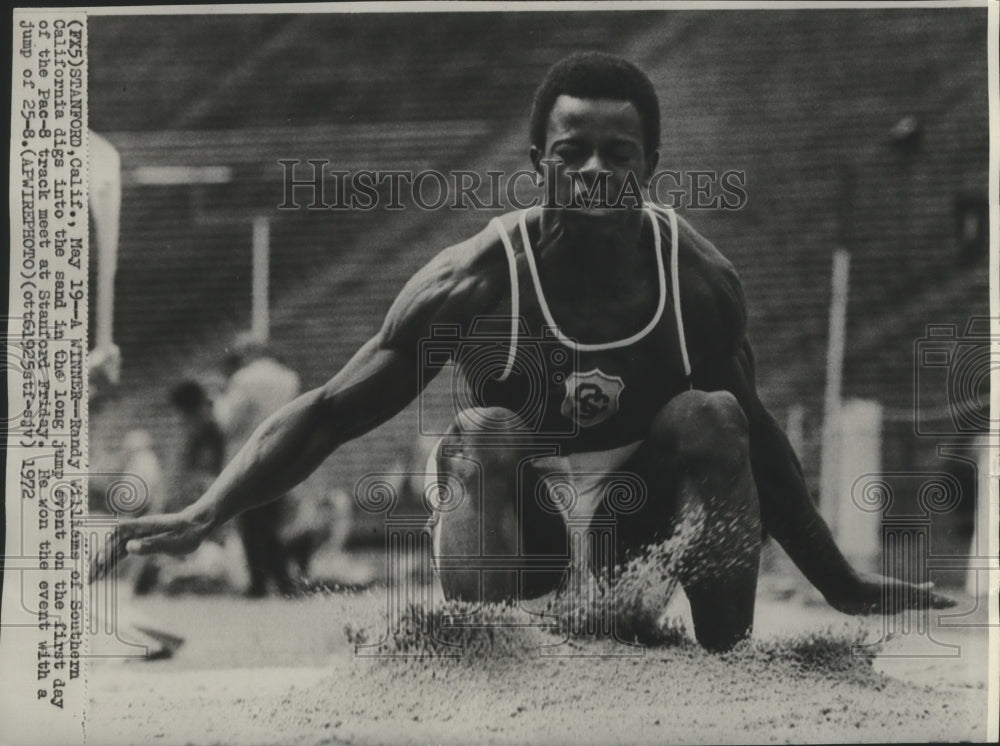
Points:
x=716 y=307
x=287 y=447
x=381 y=378
x=788 y=513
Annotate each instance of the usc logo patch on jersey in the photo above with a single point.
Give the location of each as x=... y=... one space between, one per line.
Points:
x=591 y=397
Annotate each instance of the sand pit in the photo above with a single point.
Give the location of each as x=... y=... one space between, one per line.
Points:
x=284 y=672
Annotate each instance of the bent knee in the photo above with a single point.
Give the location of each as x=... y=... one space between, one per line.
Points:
x=488 y=435
x=704 y=424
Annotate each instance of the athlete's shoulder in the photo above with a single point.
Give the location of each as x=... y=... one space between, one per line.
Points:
x=509 y=222
x=482 y=253
x=710 y=286
x=462 y=281
x=702 y=254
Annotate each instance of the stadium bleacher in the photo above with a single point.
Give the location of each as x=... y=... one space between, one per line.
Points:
x=778 y=96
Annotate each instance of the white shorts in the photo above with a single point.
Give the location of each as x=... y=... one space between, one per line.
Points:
x=576 y=482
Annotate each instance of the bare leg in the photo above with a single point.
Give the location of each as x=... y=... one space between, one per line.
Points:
x=696 y=467
x=496 y=519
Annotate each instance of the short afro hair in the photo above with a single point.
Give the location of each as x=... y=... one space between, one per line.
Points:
x=597 y=75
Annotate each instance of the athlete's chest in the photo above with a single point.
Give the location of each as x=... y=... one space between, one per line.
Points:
x=625 y=327
x=601 y=348
x=592 y=315
x=594 y=364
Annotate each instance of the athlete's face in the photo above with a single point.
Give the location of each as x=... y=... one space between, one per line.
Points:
x=595 y=161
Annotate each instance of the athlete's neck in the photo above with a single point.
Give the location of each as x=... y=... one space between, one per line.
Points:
x=606 y=243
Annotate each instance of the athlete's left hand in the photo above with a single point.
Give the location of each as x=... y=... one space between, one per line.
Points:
x=878 y=594
x=167 y=533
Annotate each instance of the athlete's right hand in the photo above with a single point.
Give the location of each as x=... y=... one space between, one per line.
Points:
x=168 y=533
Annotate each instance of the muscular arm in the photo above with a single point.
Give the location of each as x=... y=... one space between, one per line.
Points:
x=290 y=444
x=718 y=307
x=786 y=508
x=381 y=379
x=788 y=513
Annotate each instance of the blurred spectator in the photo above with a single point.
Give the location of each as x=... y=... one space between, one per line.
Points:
x=203 y=448
x=258 y=385
x=323 y=522
x=104 y=366
x=139 y=462
x=199 y=461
